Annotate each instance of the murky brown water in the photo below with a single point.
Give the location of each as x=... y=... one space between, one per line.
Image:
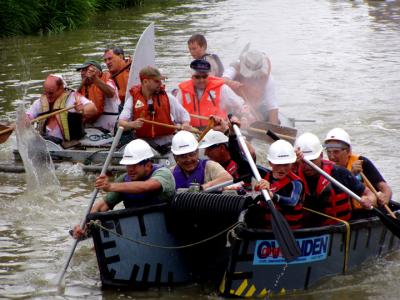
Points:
x=336 y=62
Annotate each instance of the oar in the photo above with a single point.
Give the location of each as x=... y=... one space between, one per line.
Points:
x=93 y=198
x=207 y=129
x=226 y=183
x=4 y=134
x=193 y=130
x=392 y=224
x=371 y=187
x=289 y=248
x=255 y=130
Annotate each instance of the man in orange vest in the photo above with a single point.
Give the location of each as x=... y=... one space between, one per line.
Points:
x=97 y=87
x=205 y=95
x=338 y=148
x=150 y=101
x=119 y=69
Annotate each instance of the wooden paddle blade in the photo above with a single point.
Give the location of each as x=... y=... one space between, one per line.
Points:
x=283 y=234
x=287 y=133
x=392 y=224
x=5 y=132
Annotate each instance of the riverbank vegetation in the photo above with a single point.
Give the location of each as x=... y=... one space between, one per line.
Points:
x=51 y=16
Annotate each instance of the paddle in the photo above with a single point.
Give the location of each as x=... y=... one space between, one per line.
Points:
x=226 y=183
x=93 y=198
x=193 y=130
x=207 y=129
x=289 y=248
x=4 y=134
x=392 y=224
x=371 y=187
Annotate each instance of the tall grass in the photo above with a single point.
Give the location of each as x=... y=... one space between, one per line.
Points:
x=51 y=16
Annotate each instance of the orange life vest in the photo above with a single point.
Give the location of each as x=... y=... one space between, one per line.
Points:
x=294 y=214
x=352 y=159
x=161 y=112
x=339 y=205
x=209 y=104
x=95 y=94
x=121 y=81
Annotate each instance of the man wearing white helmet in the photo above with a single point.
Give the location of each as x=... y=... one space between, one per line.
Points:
x=284 y=187
x=338 y=148
x=144 y=183
x=190 y=168
x=250 y=77
x=320 y=194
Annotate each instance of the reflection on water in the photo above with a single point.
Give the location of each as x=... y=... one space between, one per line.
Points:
x=336 y=62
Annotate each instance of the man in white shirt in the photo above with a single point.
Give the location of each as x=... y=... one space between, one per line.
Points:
x=65 y=126
x=250 y=78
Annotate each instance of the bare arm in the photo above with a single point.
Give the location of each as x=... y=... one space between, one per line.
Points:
x=384 y=193
x=133 y=187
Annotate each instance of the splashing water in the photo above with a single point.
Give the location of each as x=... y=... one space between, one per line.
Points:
x=39 y=168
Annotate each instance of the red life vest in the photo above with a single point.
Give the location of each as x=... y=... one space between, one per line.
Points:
x=339 y=205
x=294 y=214
x=208 y=105
x=231 y=167
x=161 y=113
x=121 y=81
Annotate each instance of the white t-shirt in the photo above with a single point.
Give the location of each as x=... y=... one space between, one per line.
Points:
x=230 y=102
x=269 y=100
x=110 y=115
x=36 y=109
x=178 y=113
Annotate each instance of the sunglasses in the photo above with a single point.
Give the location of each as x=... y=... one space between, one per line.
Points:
x=200 y=76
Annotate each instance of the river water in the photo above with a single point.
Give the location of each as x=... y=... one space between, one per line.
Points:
x=335 y=62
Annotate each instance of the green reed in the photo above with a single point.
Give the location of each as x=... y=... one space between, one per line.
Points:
x=51 y=16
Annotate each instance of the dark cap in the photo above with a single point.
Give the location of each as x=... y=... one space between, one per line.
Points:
x=200 y=65
x=150 y=73
x=89 y=63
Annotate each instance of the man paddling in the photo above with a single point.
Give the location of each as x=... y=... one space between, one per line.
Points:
x=150 y=101
x=321 y=194
x=144 y=183
x=99 y=88
x=339 y=150
x=118 y=68
x=250 y=77
x=205 y=95
x=197 y=45
x=190 y=169
x=66 y=126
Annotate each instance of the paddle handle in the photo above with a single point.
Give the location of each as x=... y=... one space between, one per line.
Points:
x=193 y=130
x=250 y=160
x=281 y=136
x=198 y=117
x=371 y=187
x=333 y=180
x=206 y=130
x=42 y=117
x=93 y=198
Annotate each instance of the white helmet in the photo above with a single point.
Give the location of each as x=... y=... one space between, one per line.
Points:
x=310 y=145
x=213 y=137
x=135 y=152
x=338 y=134
x=183 y=142
x=281 y=152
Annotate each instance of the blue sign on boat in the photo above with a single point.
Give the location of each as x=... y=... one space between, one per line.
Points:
x=267 y=252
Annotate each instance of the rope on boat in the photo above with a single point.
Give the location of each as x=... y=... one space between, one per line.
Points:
x=227 y=230
x=347 y=245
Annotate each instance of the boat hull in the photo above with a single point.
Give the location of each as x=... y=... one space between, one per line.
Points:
x=250 y=267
